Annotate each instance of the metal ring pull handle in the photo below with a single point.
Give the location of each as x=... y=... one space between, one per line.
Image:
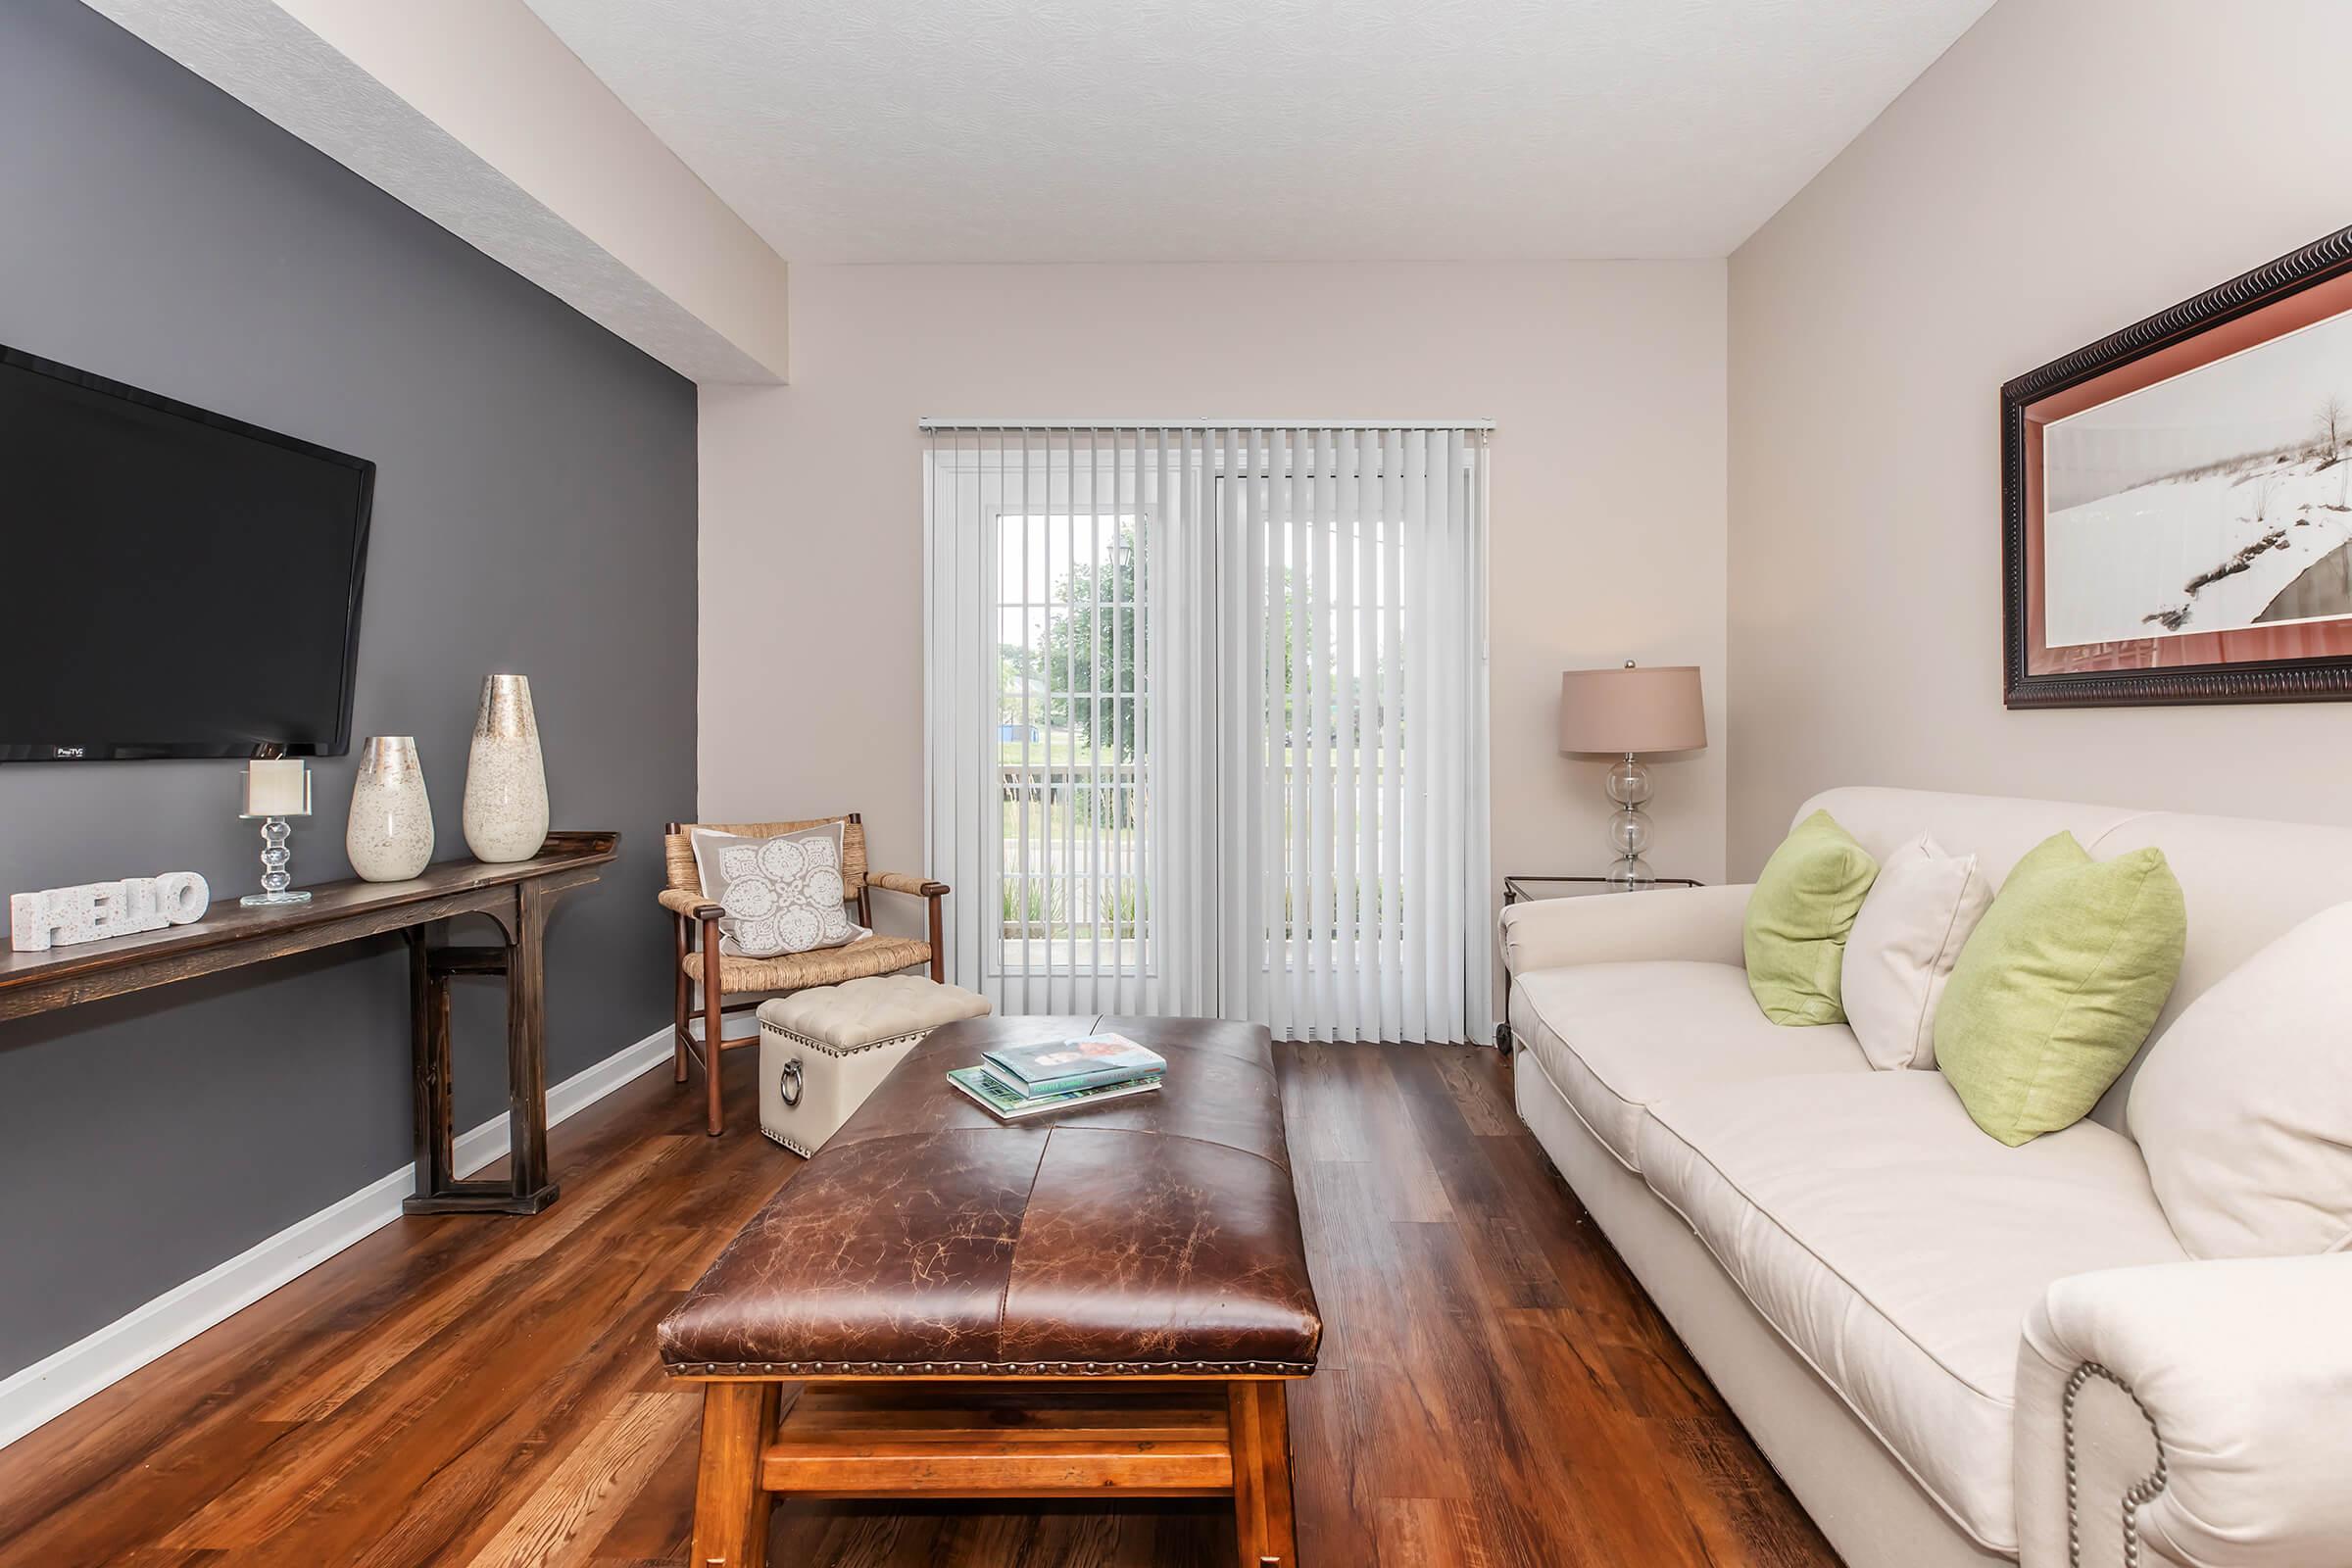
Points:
x=789 y=1086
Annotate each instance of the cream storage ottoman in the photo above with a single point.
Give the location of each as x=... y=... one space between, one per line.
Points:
x=824 y=1050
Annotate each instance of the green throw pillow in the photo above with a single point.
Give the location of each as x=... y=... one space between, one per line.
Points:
x=2058 y=986
x=1805 y=902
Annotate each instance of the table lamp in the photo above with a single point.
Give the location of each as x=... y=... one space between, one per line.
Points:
x=276 y=787
x=1625 y=713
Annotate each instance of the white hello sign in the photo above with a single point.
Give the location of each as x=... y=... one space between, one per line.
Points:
x=60 y=917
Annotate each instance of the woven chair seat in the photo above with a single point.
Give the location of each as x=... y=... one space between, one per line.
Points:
x=826 y=966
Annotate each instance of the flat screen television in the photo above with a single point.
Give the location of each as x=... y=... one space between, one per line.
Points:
x=172 y=582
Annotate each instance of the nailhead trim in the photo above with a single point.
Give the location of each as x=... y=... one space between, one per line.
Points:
x=779 y=1137
x=1084 y=1369
x=835 y=1049
x=2137 y=1495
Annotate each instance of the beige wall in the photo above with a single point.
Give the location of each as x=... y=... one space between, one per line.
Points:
x=1605 y=381
x=2069 y=166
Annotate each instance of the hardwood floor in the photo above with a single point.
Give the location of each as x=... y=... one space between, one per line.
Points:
x=1495 y=1389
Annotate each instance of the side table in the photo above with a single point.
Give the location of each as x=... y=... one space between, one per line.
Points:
x=1521 y=888
x=514 y=894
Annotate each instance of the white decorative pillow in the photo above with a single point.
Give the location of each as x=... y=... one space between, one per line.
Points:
x=2243 y=1108
x=1900 y=952
x=782 y=893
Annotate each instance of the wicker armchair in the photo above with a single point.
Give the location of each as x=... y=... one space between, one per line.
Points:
x=723 y=974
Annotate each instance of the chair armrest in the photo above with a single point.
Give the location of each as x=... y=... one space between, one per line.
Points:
x=900 y=882
x=2201 y=1410
x=1696 y=923
x=693 y=905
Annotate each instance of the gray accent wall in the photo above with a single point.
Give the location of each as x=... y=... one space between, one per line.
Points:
x=534 y=510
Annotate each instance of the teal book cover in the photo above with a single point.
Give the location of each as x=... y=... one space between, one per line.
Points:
x=1083 y=1062
x=1007 y=1105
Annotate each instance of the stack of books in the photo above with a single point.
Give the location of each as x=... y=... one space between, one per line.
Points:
x=1017 y=1081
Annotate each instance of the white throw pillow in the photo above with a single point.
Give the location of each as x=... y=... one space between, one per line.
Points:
x=1902 y=950
x=782 y=895
x=2243 y=1108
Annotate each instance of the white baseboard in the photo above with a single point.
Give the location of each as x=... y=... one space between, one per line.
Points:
x=57 y=1383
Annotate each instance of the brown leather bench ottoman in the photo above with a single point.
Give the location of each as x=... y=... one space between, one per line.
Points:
x=1104 y=1301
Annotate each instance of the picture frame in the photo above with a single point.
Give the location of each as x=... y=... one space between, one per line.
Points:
x=2176 y=501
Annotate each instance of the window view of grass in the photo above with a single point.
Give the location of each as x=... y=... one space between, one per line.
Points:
x=1074 y=746
x=1070 y=730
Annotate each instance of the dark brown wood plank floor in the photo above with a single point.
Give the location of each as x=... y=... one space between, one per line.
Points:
x=1495 y=1389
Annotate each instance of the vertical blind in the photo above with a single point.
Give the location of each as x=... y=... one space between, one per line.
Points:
x=1206 y=721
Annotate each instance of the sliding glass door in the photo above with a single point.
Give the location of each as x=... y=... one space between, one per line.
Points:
x=1207 y=722
x=1072 y=750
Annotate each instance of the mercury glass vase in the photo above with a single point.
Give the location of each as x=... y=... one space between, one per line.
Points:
x=390 y=836
x=505 y=780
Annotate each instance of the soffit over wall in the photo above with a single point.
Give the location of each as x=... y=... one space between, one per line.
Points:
x=473 y=114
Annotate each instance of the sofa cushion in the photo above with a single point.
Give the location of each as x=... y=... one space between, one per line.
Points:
x=2059 y=985
x=1804 y=903
x=1899 y=1248
x=1615 y=1037
x=1904 y=942
x=2243 y=1108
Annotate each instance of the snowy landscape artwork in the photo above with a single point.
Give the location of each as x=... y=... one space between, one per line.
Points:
x=2218 y=500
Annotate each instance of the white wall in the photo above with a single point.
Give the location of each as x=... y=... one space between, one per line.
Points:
x=1605 y=380
x=2068 y=167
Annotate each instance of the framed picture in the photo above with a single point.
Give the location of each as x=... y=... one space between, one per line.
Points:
x=2178 y=501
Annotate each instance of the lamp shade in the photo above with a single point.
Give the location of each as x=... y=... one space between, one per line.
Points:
x=1639 y=708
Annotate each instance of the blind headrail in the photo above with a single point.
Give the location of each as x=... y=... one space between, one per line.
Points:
x=935 y=422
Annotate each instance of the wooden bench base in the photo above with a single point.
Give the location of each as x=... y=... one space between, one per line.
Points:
x=998 y=1438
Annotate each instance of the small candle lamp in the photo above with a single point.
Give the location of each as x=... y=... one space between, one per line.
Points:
x=276 y=787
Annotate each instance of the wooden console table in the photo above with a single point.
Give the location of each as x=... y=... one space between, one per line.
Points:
x=231 y=937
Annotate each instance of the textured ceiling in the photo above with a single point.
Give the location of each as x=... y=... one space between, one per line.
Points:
x=1071 y=130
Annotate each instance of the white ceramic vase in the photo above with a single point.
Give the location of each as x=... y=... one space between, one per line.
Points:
x=505 y=780
x=390 y=836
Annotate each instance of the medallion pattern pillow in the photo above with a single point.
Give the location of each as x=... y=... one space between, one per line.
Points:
x=782 y=893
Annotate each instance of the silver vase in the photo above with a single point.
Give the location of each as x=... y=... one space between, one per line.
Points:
x=390 y=836
x=505 y=780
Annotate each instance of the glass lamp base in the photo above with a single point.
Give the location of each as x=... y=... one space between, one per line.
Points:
x=276 y=862
x=1627 y=781
x=1628 y=786
x=1631 y=873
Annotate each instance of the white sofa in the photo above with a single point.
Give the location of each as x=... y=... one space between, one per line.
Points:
x=1954 y=1351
